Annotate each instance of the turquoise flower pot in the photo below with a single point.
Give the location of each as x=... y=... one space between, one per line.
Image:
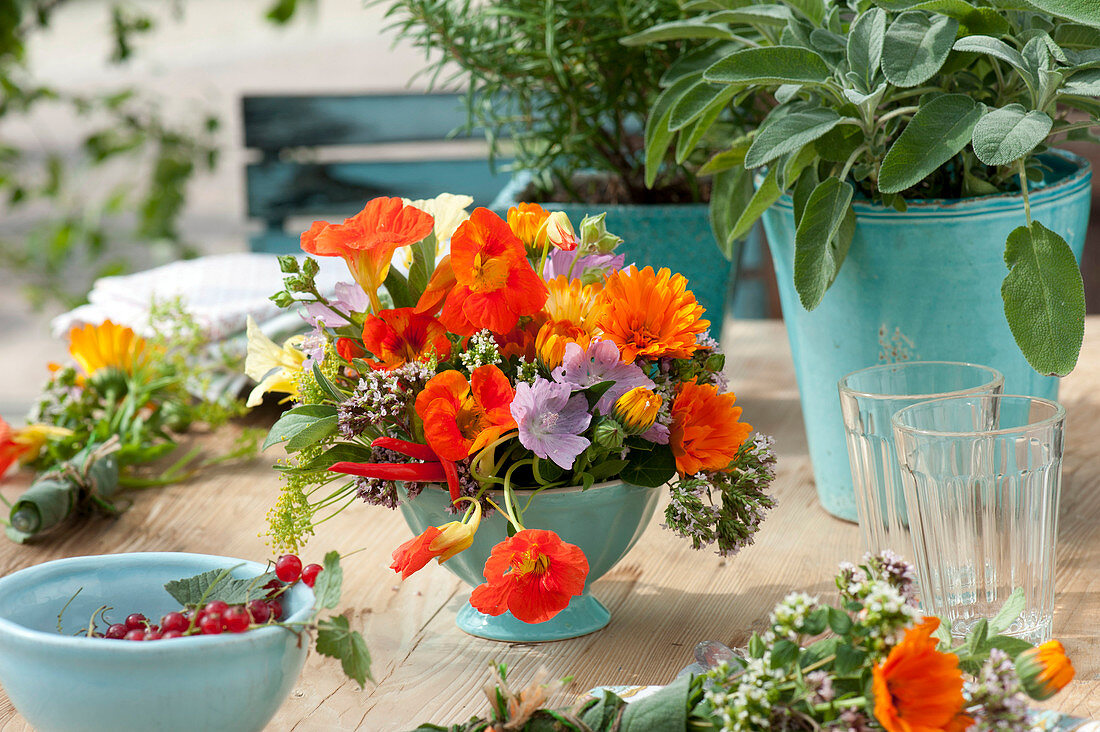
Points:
x=605 y=521
x=924 y=284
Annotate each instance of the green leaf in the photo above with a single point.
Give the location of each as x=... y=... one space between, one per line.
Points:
x=664 y=711
x=302 y=426
x=697 y=101
x=423 y=264
x=784 y=653
x=1085 y=83
x=943 y=634
x=650 y=468
x=819 y=251
x=805 y=186
x=1012 y=646
x=937 y=132
x=811 y=10
x=767 y=193
x=770 y=65
x=731 y=192
x=398 y=287
x=1081 y=11
x=692 y=135
x=725 y=160
x=916 y=47
x=1007 y=134
x=865 y=41
x=977 y=636
x=997 y=49
x=1071 y=35
x=677 y=30
x=1044 y=299
x=1009 y=612
x=217 y=584
x=327 y=586
x=787 y=131
x=848 y=659
x=839 y=621
x=765 y=14
x=658 y=136
x=335 y=639
x=327 y=386
x=839 y=143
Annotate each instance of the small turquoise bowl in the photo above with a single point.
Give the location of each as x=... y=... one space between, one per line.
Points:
x=63 y=683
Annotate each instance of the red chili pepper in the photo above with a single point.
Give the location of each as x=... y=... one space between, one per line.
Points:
x=451 y=472
x=412 y=472
x=411 y=449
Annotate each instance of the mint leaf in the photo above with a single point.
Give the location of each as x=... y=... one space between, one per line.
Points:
x=335 y=639
x=329 y=581
x=1010 y=611
x=217 y=584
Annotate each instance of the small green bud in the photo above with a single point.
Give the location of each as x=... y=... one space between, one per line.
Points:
x=609 y=433
x=310 y=268
x=715 y=362
x=288 y=264
x=283 y=299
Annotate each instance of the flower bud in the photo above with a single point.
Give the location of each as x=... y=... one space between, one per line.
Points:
x=609 y=434
x=557 y=230
x=456 y=536
x=637 y=409
x=594 y=235
x=1044 y=670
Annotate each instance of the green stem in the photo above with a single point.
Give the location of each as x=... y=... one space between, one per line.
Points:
x=1023 y=189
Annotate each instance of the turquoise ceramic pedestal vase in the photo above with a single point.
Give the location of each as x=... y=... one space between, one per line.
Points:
x=605 y=521
x=924 y=284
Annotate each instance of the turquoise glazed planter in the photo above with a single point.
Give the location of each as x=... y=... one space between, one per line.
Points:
x=605 y=521
x=924 y=284
x=65 y=683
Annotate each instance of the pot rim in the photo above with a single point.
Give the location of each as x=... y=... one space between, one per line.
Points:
x=554 y=491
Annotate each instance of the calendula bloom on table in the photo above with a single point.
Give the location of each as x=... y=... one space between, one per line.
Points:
x=105 y=346
x=556 y=232
x=368 y=240
x=461 y=417
x=525 y=220
x=1044 y=670
x=637 y=409
x=705 y=433
x=551 y=419
x=274 y=369
x=917 y=688
x=532 y=575
x=436 y=542
x=649 y=315
x=399 y=336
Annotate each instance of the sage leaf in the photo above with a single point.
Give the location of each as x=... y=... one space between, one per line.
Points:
x=1007 y=134
x=997 y=49
x=1081 y=11
x=818 y=250
x=916 y=47
x=787 y=131
x=336 y=639
x=1085 y=83
x=327 y=586
x=691 y=135
x=811 y=10
x=677 y=30
x=217 y=584
x=937 y=132
x=697 y=101
x=1044 y=299
x=731 y=192
x=658 y=137
x=767 y=193
x=770 y=65
x=766 y=14
x=301 y=424
x=865 y=41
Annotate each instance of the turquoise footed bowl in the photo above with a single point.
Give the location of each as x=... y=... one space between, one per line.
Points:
x=63 y=683
x=605 y=521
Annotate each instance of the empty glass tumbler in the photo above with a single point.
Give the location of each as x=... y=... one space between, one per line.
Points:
x=982 y=476
x=869 y=398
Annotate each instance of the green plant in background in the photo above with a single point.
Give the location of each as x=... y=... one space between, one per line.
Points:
x=553 y=78
x=891 y=100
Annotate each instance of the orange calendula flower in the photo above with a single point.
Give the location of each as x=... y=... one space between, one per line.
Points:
x=705 y=433
x=368 y=240
x=525 y=220
x=568 y=310
x=495 y=285
x=532 y=575
x=919 y=689
x=437 y=542
x=107 y=346
x=1044 y=670
x=649 y=314
x=397 y=337
x=554 y=336
x=461 y=417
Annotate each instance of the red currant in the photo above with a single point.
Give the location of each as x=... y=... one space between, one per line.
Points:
x=137 y=634
x=136 y=621
x=288 y=568
x=171 y=634
x=174 y=621
x=116 y=631
x=260 y=611
x=217 y=606
x=310 y=572
x=153 y=633
x=236 y=619
x=276 y=609
x=274 y=587
x=211 y=624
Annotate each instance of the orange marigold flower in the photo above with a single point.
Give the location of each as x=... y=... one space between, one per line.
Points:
x=1044 y=670
x=525 y=220
x=917 y=688
x=705 y=433
x=495 y=285
x=397 y=337
x=460 y=417
x=438 y=542
x=532 y=575
x=649 y=314
x=106 y=346
x=368 y=240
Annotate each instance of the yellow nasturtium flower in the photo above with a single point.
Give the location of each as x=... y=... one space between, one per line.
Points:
x=274 y=369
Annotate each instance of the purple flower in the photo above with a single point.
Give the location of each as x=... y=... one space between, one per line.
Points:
x=550 y=420
x=582 y=368
x=349 y=298
x=559 y=261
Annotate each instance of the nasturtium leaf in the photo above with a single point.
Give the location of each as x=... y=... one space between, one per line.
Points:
x=937 y=132
x=650 y=468
x=302 y=426
x=819 y=251
x=1007 y=134
x=916 y=47
x=336 y=639
x=217 y=584
x=787 y=131
x=1044 y=299
x=1081 y=11
x=770 y=65
x=327 y=587
x=865 y=41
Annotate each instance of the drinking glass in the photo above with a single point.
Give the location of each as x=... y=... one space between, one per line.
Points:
x=982 y=476
x=868 y=399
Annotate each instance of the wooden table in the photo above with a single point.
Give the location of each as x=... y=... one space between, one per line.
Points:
x=663 y=596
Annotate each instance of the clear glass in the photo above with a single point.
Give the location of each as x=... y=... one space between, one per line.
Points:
x=982 y=477
x=868 y=399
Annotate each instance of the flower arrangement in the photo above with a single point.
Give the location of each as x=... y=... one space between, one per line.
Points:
x=116 y=408
x=869 y=662
x=502 y=355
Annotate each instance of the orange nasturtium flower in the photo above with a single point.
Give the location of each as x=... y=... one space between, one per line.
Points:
x=520 y=341
x=107 y=346
x=397 y=337
x=532 y=575
x=436 y=542
x=1044 y=670
x=919 y=689
x=368 y=240
x=649 y=314
x=439 y=286
x=525 y=220
x=705 y=433
x=461 y=417
x=24 y=444
x=494 y=283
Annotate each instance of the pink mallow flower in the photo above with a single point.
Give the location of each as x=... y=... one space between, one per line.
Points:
x=551 y=419
x=581 y=368
x=347 y=298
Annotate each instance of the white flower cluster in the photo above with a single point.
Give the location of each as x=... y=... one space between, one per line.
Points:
x=886 y=614
x=748 y=705
x=481 y=351
x=789 y=616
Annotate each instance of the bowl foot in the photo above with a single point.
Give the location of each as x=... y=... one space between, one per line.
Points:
x=585 y=614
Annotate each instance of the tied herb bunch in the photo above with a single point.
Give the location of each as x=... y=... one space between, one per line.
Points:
x=869 y=662
x=496 y=356
x=119 y=406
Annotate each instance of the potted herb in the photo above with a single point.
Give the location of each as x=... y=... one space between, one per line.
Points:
x=552 y=86
x=912 y=202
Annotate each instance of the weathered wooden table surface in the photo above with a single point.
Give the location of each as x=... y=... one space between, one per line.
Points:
x=663 y=596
